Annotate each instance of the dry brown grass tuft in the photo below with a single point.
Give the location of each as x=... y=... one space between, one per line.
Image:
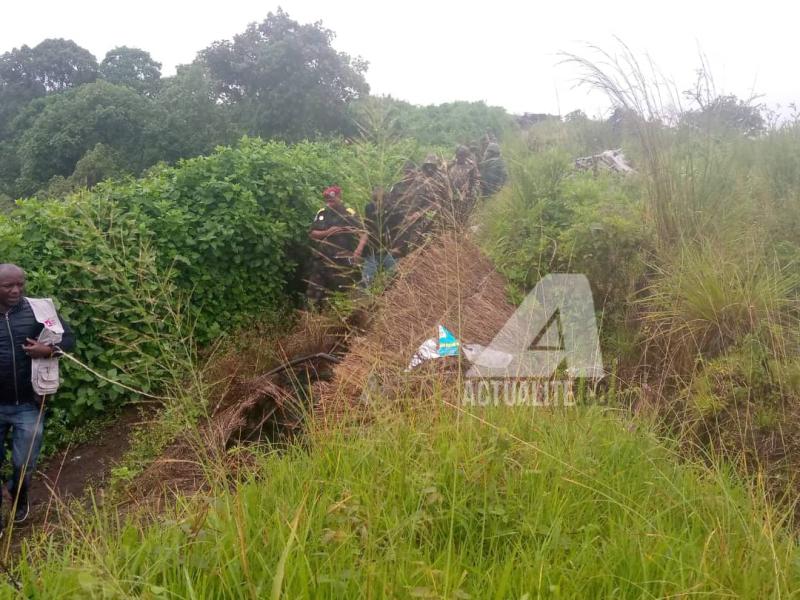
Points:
x=450 y=282
x=242 y=408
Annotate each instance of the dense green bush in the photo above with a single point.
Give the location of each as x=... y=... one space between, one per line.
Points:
x=550 y=218
x=147 y=268
x=445 y=124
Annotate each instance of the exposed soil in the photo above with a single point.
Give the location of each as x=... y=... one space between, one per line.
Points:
x=66 y=475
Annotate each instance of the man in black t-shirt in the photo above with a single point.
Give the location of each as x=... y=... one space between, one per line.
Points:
x=339 y=242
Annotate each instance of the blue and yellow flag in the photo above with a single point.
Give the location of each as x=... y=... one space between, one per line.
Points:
x=448 y=344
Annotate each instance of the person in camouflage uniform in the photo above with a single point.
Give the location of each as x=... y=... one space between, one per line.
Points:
x=339 y=240
x=399 y=189
x=426 y=202
x=492 y=170
x=433 y=192
x=464 y=183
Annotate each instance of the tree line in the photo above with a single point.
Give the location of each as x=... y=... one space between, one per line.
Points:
x=67 y=120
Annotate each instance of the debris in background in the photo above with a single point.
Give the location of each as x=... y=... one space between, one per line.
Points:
x=610 y=160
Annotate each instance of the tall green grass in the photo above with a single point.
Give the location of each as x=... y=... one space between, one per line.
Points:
x=710 y=323
x=551 y=219
x=501 y=504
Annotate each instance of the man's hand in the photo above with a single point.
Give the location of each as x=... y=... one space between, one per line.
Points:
x=321 y=234
x=337 y=229
x=35 y=349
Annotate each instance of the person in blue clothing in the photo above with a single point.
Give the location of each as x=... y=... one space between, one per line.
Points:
x=21 y=409
x=380 y=221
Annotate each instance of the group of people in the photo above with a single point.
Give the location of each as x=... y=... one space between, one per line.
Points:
x=437 y=195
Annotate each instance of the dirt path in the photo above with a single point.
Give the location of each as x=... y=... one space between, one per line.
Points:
x=67 y=474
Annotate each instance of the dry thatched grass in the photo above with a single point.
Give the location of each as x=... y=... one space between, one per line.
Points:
x=449 y=282
x=241 y=408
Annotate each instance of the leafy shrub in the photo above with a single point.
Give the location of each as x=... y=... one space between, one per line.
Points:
x=145 y=269
x=551 y=219
x=437 y=125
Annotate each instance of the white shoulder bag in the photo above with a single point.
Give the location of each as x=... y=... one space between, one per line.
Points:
x=44 y=371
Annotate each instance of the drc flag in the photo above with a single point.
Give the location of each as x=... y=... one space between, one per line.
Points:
x=448 y=344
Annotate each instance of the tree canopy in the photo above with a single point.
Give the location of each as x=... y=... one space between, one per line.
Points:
x=74 y=122
x=285 y=79
x=131 y=67
x=58 y=106
x=51 y=66
x=726 y=113
x=67 y=121
x=189 y=120
x=26 y=73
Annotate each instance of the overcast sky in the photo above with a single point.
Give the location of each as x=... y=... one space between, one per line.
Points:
x=500 y=51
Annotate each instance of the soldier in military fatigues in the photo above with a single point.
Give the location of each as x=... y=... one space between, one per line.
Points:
x=493 y=170
x=425 y=202
x=339 y=241
x=465 y=183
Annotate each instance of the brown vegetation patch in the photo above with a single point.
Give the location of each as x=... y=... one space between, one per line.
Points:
x=448 y=282
x=244 y=408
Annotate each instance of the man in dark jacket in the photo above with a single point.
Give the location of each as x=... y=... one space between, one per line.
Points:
x=339 y=241
x=21 y=409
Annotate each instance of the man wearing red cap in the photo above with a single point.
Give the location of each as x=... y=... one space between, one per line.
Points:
x=339 y=240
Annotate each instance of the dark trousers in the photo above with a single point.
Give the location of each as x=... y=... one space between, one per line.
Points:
x=26 y=423
x=328 y=277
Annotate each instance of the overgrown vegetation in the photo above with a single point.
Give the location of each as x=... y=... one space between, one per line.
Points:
x=693 y=261
x=171 y=260
x=566 y=505
x=67 y=123
x=436 y=125
x=149 y=271
x=551 y=219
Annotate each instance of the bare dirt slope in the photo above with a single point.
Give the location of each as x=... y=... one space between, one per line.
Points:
x=66 y=475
